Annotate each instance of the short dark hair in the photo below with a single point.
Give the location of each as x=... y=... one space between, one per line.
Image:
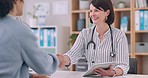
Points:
x=5 y=7
x=105 y=5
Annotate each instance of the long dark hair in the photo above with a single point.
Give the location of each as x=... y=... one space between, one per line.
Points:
x=105 y=5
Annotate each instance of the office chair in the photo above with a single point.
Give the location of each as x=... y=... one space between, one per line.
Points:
x=133 y=62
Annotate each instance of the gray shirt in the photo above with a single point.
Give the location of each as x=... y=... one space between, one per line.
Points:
x=103 y=49
x=19 y=50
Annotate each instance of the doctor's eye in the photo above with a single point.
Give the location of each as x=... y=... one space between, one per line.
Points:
x=96 y=10
x=90 y=10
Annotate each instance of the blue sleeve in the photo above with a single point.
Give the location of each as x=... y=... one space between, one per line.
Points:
x=30 y=75
x=34 y=57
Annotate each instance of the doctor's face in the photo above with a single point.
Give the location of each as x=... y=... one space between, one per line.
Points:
x=97 y=15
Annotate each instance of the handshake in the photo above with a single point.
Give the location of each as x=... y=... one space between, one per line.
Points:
x=64 y=60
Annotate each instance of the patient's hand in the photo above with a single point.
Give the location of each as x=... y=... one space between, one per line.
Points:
x=61 y=60
x=39 y=76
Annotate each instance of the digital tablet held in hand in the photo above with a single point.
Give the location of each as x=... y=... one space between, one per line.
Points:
x=89 y=72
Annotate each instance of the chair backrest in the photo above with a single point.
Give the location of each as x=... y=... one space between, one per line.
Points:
x=133 y=62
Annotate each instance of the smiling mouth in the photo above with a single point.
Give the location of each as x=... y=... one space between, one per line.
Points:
x=95 y=18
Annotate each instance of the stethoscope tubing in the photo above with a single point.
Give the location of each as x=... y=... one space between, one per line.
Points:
x=112 y=53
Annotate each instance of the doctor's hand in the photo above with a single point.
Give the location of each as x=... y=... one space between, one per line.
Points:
x=102 y=72
x=62 y=60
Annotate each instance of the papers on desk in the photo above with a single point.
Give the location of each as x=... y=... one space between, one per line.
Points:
x=89 y=72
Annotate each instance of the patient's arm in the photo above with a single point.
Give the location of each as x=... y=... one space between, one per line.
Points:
x=39 y=76
x=64 y=60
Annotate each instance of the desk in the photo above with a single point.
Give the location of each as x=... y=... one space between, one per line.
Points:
x=76 y=74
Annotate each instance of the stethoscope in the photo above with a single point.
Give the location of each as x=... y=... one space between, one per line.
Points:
x=112 y=53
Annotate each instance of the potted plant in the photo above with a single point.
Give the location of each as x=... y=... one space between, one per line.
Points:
x=72 y=38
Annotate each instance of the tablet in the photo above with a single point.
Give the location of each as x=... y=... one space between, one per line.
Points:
x=89 y=72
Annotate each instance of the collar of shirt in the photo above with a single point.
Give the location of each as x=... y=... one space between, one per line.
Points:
x=105 y=34
x=15 y=17
x=11 y=16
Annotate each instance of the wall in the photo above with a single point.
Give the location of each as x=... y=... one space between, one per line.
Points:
x=51 y=19
x=59 y=20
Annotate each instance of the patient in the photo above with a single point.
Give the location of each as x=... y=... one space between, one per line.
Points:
x=18 y=47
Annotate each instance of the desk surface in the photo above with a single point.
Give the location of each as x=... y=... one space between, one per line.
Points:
x=75 y=74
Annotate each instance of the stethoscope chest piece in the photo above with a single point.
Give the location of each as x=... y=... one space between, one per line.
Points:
x=112 y=54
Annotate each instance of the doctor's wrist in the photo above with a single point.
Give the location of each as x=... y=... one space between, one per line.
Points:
x=68 y=65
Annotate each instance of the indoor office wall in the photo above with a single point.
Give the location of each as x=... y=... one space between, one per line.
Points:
x=51 y=19
x=61 y=20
